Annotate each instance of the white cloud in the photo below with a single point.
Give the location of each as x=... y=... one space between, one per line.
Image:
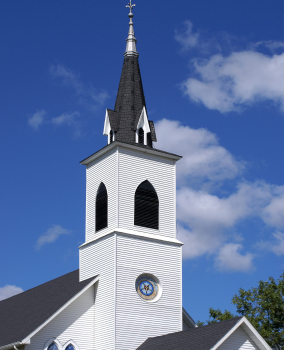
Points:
x=51 y=235
x=276 y=245
x=37 y=119
x=65 y=118
x=87 y=95
x=241 y=79
x=229 y=258
x=188 y=39
x=273 y=214
x=8 y=291
x=202 y=158
x=209 y=218
x=69 y=119
x=207 y=221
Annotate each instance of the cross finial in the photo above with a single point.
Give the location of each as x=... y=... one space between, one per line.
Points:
x=130 y=6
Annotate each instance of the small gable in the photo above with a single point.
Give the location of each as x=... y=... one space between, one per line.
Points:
x=238 y=340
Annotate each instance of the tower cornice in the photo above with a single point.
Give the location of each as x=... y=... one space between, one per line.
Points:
x=136 y=147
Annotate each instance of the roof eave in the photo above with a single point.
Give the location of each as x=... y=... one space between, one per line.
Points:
x=129 y=146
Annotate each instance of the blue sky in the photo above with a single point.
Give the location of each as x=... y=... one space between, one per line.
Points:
x=213 y=76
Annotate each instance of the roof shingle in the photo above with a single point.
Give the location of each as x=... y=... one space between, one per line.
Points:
x=23 y=313
x=200 y=338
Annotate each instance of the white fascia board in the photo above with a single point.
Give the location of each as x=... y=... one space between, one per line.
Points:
x=27 y=339
x=141 y=235
x=106 y=124
x=129 y=146
x=253 y=332
x=143 y=121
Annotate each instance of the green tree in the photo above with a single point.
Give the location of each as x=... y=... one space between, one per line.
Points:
x=263 y=306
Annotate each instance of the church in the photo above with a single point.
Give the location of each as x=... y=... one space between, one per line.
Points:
x=127 y=292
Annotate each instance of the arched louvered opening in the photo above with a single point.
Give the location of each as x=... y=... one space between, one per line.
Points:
x=101 y=207
x=111 y=136
x=146 y=206
x=141 y=136
x=149 y=140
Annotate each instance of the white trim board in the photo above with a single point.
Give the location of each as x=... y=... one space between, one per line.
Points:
x=249 y=330
x=27 y=339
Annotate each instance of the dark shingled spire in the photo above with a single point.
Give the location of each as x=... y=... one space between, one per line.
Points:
x=130 y=99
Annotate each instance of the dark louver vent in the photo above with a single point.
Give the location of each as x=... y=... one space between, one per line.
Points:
x=111 y=136
x=141 y=136
x=101 y=208
x=146 y=206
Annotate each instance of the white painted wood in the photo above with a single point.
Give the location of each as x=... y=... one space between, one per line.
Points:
x=122 y=170
x=75 y=323
x=103 y=170
x=144 y=124
x=122 y=319
x=137 y=319
x=238 y=340
x=99 y=258
x=135 y=168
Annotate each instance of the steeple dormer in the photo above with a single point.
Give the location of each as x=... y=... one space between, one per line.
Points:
x=130 y=113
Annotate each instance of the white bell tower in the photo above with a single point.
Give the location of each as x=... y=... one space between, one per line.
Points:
x=131 y=223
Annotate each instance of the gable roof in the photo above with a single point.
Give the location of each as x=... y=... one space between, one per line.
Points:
x=199 y=338
x=21 y=314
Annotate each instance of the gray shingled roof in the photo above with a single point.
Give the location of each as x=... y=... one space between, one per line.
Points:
x=200 y=338
x=129 y=103
x=23 y=313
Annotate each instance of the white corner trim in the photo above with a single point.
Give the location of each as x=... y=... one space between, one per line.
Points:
x=264 y=345
x=27 y=339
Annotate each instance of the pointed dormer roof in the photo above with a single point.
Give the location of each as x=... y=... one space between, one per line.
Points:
x=130 y=107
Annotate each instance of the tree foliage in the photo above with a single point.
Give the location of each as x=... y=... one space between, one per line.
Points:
x=263 y=306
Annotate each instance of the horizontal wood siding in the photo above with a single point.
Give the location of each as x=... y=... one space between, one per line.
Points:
x=103 y=170
x=136 y=319
x=75 y=323
x=97 y=258
x=136 y=167
x=239 y=340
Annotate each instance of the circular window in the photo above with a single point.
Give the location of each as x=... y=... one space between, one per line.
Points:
x=147 y=287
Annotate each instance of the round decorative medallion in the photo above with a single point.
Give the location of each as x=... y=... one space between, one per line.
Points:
x=147 y=287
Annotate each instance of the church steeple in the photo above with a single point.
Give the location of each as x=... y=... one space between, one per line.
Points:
x=131 y=40
x=128 y=122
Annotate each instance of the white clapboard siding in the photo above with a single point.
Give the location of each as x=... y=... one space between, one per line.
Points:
x=103 y=170
x=239 y=340
x=75 y=323
x=98 y=258
x=136 y=167
x=137 y=319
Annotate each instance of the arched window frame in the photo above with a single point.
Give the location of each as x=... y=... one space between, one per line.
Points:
x=158 y=207
x=53 y=340
x=70 y=342
x=101 y=228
